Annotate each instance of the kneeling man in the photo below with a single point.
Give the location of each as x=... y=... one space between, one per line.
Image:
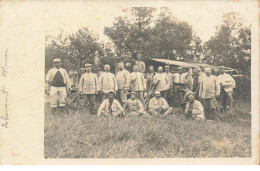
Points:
x=159 y=106
x=133 y=106
x=194 y=108
x=110 y=106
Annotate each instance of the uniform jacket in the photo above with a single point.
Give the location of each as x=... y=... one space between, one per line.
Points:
x=226 y=79
x=137 y=81
x=51 y=73
x=134 y=106
x=88 y=83
x=163 y=81
x=123 y=79
x=107 y=82
x=209 y=87
x=116 y=107
x=155 y=103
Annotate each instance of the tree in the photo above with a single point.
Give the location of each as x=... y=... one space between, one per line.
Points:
x=131 y=33
x=139 y=32
x=74 y=50
x=231 y=45
x=170 y=38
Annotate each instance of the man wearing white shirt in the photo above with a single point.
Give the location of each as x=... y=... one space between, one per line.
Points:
x=107 y=82
x=179 y=81
x=163 y=83
x=123 y=81
x=209 y=91
x=169 y=74
x=140 y=64
x=58 y=80
x=138 y=84
x=89 y=87
x=227 y=83
x=159 y=106
x=110 y=106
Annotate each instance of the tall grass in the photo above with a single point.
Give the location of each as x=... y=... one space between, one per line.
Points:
x=80 y=135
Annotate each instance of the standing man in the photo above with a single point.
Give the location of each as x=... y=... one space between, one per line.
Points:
x=202 y=73
x=129 y=59
x=88 y=87
x=209 y=91
x=140 y=64
x=58 y=80
x=123 y=81
x=227 y=83
x=195 y=82
x=107 y=82
x=151 y=82
x=159 y=106
x=138 y=84
x=110 y=106
x=179 y=81
x=169 y=75
x=163 y=83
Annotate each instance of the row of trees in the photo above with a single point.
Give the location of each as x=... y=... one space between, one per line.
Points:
x=155 y=36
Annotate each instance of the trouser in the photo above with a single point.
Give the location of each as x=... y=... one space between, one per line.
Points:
x=209 y=108
x=164 y=94
x=140 y=96
x=89 y=102
x=58 y=96
x=165 y=112
x=122 y=96
x=226 y=99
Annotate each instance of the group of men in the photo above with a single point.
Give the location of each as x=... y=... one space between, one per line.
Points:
x=125 y=92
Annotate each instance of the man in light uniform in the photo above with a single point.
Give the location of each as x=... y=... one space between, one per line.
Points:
x=163 y=83
x=123 y=81
x=227 y=83
x=179 y=82
x=169 y=75
x=194 y=108
x=140 y=64
x=89 y=87
x=150 y=81
x=133 y=106
x=201 y=74
x=107 y=82
x=110 y=106
x=138 y=84
x=159 y=106
x=209 y=91
x=195 y=82
x=58 y=80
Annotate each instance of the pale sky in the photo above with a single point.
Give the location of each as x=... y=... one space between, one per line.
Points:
x=203 y=16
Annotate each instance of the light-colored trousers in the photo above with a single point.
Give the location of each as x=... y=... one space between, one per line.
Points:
x=58 y=96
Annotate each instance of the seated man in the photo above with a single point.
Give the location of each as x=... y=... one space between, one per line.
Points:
x=194 y=108
x=133 y=106
x=158 y=105
x=110 y=106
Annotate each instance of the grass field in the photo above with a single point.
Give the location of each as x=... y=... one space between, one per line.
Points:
x=80 y=135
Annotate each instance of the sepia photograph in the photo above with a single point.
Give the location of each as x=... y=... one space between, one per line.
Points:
x=148 y=81
x=129 y=82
